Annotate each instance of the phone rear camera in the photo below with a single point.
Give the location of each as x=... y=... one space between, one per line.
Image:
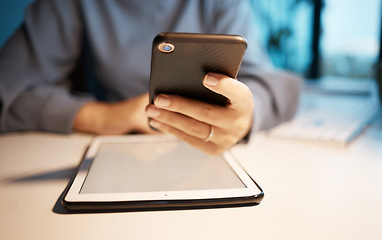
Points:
x=166 y=47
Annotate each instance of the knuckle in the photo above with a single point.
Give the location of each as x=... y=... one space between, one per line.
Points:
x=208 y=113
x=166 y=116
x=178 y=104
x=194 y=129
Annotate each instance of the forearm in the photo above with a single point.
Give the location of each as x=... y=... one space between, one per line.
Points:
x=34 y=63
x=46 y=108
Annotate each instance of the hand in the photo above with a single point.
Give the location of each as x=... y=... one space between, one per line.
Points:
x=114 y=118
x=193 y=121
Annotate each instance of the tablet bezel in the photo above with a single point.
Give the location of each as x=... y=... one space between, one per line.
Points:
x=252 y=194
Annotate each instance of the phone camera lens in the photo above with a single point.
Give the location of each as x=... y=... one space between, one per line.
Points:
x=166 y=47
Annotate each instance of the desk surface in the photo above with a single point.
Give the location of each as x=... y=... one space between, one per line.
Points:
x=312 y=191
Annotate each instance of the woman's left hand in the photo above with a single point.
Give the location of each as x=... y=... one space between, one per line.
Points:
x=211 y=128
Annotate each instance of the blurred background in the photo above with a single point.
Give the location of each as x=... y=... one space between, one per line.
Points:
x=322 y=37
x=311 y=37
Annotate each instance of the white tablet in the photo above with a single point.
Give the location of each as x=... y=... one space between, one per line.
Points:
x=139 y=172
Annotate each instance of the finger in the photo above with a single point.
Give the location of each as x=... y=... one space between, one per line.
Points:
x=207 y=147
x=237 y=92
x=202 y=131
x=201 y=111
x=179 y=121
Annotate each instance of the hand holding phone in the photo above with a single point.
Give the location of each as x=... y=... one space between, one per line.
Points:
x=209 y=111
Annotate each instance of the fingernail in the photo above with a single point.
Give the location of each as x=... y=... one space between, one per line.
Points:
x=152 y=112
x=162 y=101
x=211 y=79
x=154 y=123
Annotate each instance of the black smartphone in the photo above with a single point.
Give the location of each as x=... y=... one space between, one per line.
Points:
x=179 y=62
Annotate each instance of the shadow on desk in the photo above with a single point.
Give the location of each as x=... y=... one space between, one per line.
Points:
x=62 y=174
x=66 y=173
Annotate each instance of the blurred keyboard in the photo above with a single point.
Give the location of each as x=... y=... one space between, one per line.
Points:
x=333 y=119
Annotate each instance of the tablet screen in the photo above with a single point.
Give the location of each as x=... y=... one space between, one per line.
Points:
x=156 y=166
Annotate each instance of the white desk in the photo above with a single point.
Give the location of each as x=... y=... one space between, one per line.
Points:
x=312 y=191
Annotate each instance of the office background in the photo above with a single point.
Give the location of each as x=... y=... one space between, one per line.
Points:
x=344 y=42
